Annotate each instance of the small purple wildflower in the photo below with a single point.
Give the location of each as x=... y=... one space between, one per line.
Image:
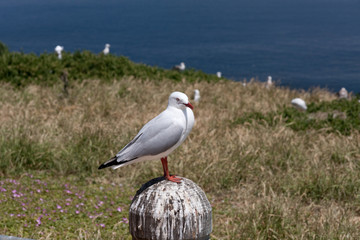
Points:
x=119 y=209
x=77 y=211
x=58 y=206
x=38 y=220
x=102 y=225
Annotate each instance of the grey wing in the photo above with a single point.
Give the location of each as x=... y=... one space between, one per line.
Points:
x=154 y=138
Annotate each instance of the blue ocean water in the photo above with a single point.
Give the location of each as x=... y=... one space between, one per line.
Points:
x=302 y=44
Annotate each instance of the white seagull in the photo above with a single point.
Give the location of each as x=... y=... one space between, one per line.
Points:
x=196 y=95
x=159 y=137
x=343 y=93
x=106 y=50
x=269 y=82
x=218 y=74
x=58 y=50
x=299 y=104
x=180 y=67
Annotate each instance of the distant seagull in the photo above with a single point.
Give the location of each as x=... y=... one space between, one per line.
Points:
x=269 y=82
x=159 y=137
x=180 y=67
x=343 y=93
x=58 y=50
x=106 y=50
x=196 y=95
x=299 y=104
x=218 y=74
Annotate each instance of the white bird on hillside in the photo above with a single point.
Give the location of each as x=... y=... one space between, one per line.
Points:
x=106 y=50
x=196 y=95
x=180 y=67
x=269 y=82
x=159 y=137
x=299 y=104
x=343 y=93
x=218 y=74
x=58 y=50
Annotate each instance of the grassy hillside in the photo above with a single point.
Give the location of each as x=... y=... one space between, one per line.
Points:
x=21 y=69
x=270 y=172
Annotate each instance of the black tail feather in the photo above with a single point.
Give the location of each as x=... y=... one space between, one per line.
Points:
x=111 y=162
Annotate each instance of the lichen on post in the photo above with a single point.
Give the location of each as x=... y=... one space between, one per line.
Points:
x=166 y=210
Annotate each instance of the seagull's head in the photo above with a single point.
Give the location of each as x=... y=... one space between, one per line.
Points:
x=107 y=45
x=179 y=100
x=59 y=49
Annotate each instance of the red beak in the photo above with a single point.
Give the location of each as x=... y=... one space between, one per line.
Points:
x=189 y=105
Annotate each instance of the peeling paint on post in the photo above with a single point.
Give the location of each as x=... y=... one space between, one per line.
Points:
x=166 y=210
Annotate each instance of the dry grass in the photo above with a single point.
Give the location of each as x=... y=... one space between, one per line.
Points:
x=264 y=182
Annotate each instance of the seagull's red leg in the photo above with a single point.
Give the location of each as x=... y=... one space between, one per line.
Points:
x=163 y=160
x=166 y=171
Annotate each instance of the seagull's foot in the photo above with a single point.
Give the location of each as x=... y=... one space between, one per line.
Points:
x=173 y=178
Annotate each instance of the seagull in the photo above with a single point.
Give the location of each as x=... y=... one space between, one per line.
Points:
x=269 y=82
x=343 y=93
x=58 y=50
x=299 y=104
x=159 y=137
x=180 y=67
x=218 y=74
x=106 y=50
x=196 y=95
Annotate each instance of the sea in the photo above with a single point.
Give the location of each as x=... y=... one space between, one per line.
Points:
x=302 y=44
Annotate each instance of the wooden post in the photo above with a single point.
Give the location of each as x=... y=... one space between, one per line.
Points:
x=64 y=78
x=166 y=210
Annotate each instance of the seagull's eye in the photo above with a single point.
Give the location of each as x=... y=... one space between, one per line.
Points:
x=177 y=99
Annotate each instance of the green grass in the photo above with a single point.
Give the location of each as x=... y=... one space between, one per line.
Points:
x=35 y=206
x=341 y=116
x=22 y=69
x=269 y=171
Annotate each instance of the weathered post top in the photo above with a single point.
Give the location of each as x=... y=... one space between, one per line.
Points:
x=166 y=210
